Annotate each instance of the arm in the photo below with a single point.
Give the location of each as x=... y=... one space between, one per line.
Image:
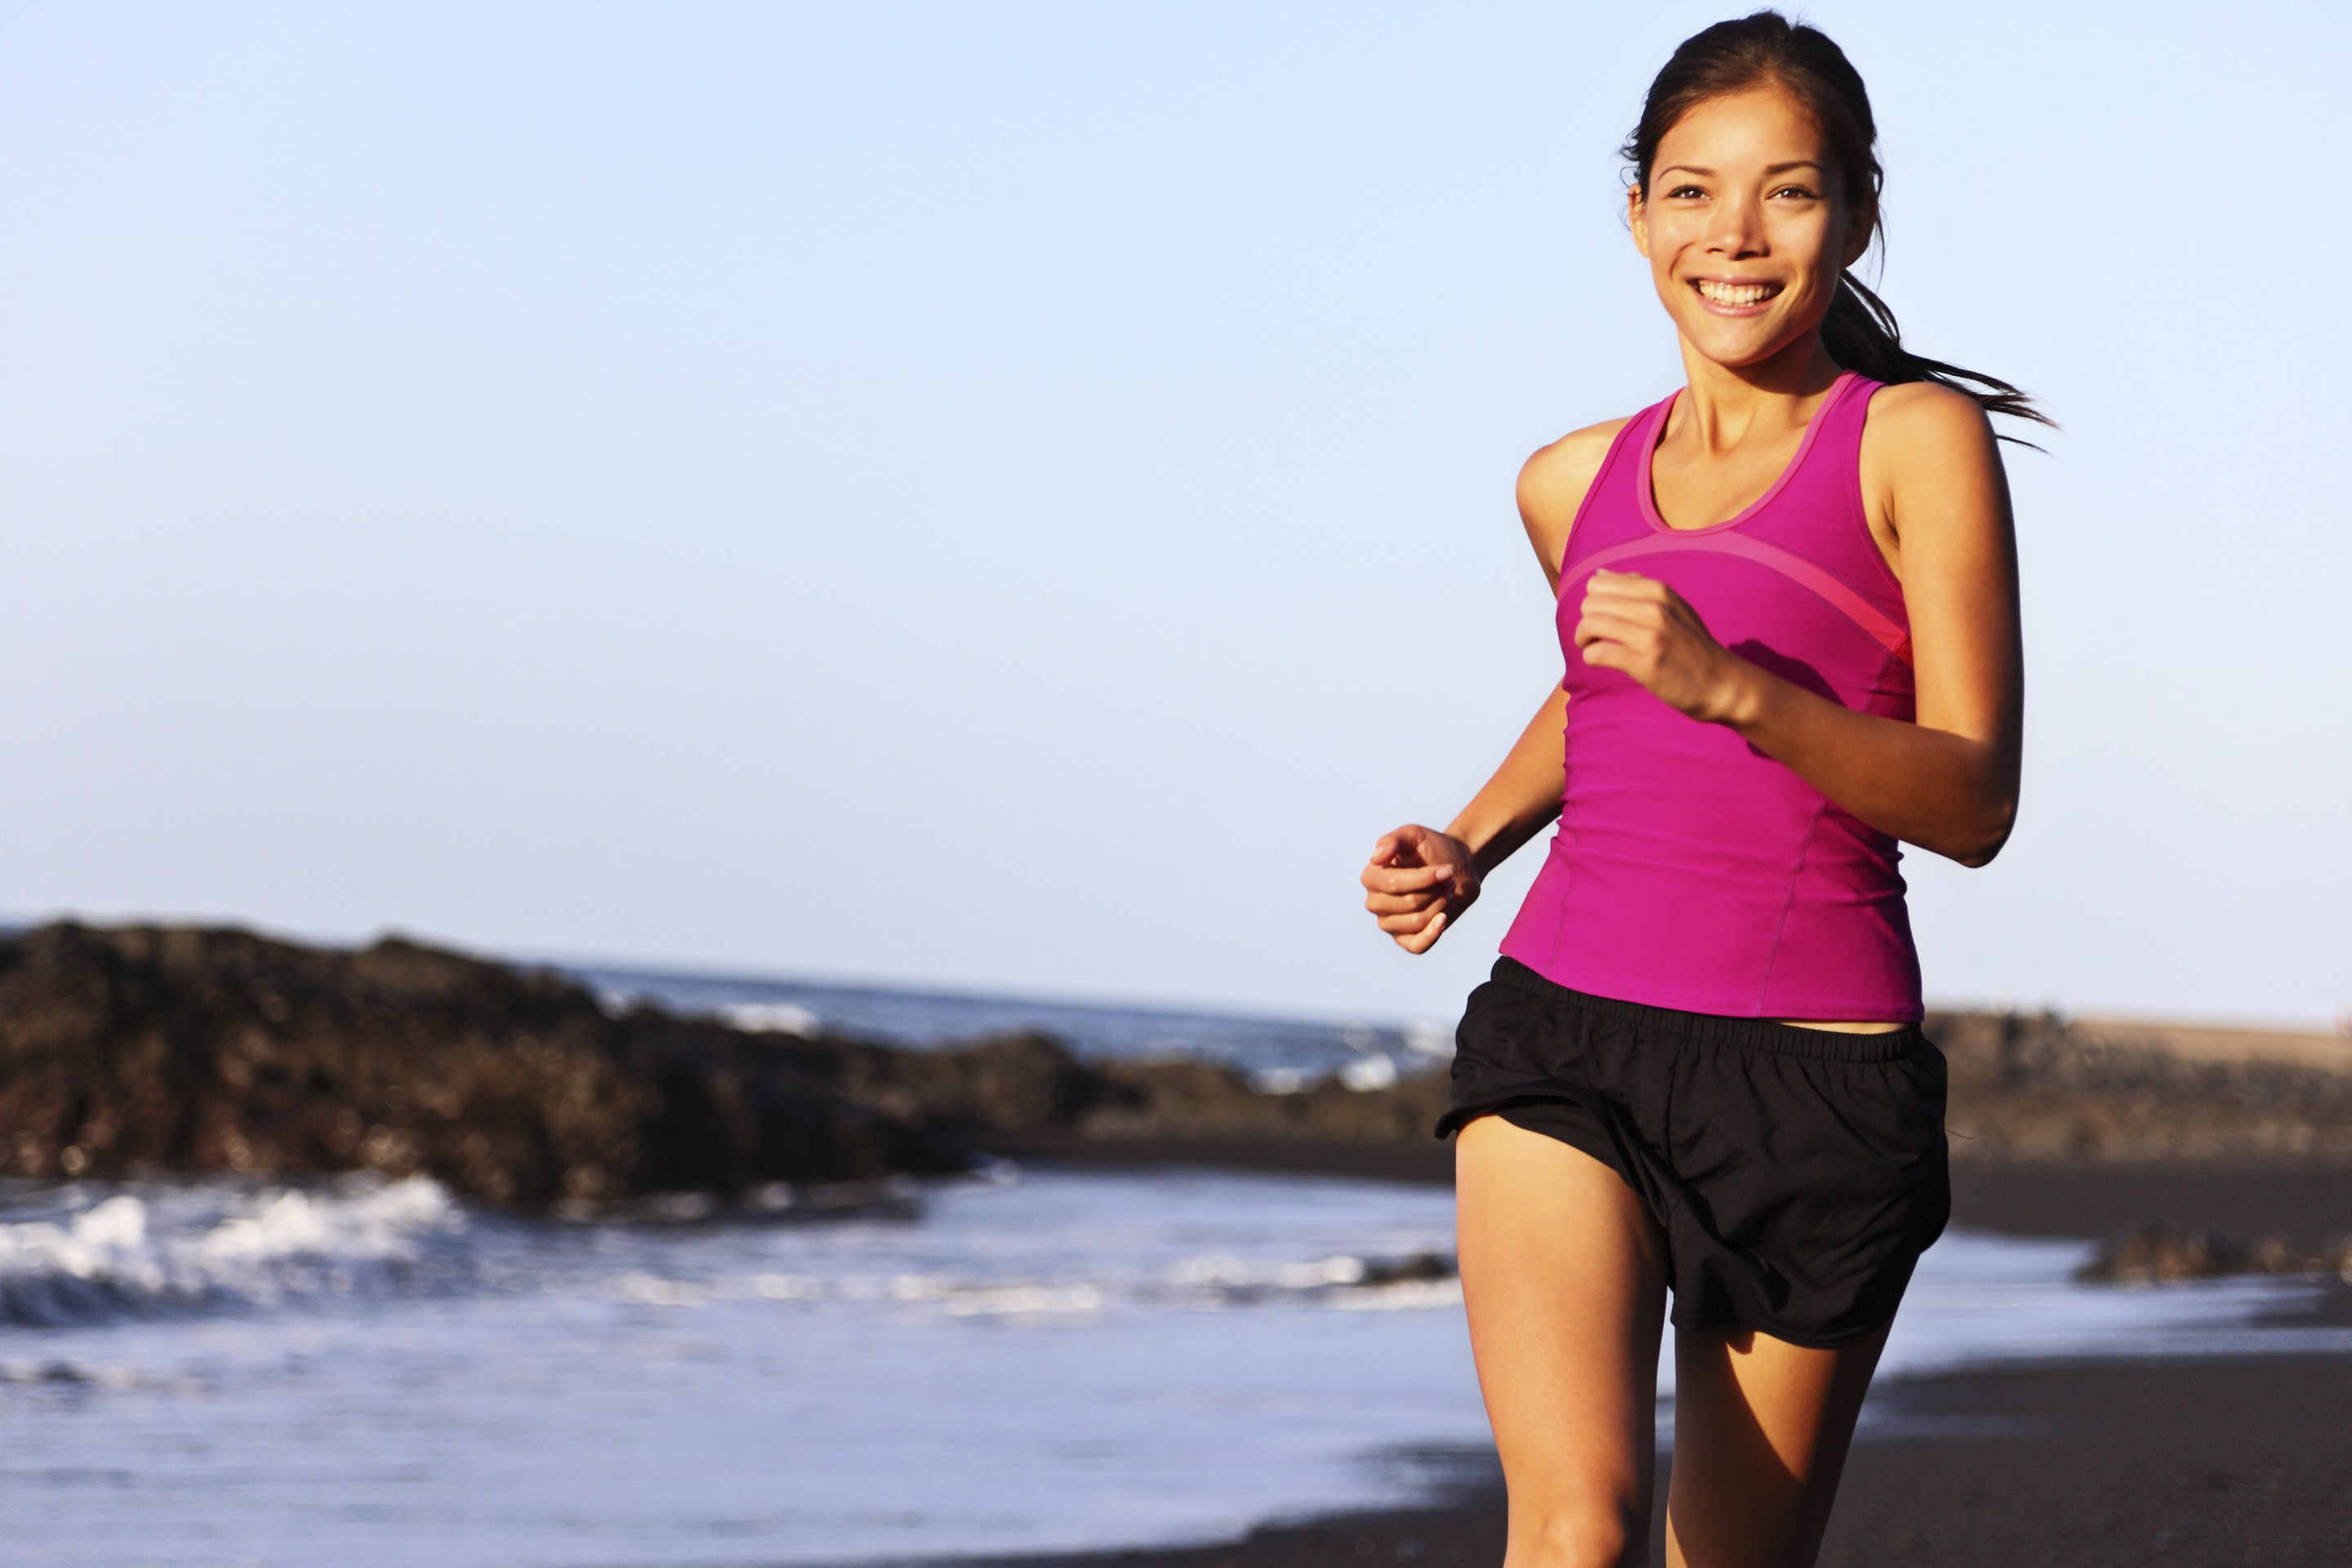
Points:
x=1419 y=880
x=1947 y=782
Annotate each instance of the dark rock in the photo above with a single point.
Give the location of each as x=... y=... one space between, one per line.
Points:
x=1178 y=1099
x=2162 y=1254
x=208 y=1050
x=194 y=1051
x=2158 y=1253
x=189 y=1049
x=1422 y=1267
x=2038 y=1087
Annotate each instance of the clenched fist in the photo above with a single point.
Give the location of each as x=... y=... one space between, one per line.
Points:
x=1641 y=626
x=1418 y=880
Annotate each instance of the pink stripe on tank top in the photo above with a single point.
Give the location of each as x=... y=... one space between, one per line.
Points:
x=1689 y=870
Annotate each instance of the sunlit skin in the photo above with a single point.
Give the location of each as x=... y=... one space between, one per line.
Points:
x=1745 y=225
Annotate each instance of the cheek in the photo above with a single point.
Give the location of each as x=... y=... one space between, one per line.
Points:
x=1813 y=246
x=1666 y=248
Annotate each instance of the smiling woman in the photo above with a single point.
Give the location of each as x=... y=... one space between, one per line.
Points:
x=1787 y=604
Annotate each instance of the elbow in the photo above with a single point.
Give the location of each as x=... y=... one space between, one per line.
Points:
x=1985 y=841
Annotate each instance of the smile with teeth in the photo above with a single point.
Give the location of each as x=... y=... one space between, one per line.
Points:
x=1735 y=293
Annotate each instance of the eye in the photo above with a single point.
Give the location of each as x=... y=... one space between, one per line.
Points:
x=1681 y=193
x=1798 y=193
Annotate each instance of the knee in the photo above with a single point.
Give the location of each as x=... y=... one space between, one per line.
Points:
x=1598 y=1533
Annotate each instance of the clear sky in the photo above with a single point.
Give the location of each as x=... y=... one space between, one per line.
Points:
x=1019 y=496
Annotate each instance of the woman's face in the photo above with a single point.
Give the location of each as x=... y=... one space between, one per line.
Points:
x=1746 y=227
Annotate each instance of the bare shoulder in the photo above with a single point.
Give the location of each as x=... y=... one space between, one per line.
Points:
x=1552 y=486
x=1928 y=461
x=1920 y=421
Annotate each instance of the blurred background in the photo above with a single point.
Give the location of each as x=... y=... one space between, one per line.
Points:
x=1018 y=497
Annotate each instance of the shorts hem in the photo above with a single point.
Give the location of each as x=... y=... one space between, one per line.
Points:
x=1811 y=1341
x=1461 y=1115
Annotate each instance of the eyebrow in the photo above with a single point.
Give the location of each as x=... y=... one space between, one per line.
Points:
x=1769 y=168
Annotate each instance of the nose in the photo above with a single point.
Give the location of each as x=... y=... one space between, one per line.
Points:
x=1736 y=227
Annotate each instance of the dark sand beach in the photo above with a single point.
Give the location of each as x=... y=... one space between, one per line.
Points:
x=2239 y=1459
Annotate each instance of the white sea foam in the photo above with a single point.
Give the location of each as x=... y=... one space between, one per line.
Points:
x=770 y=1017
x=157 y=1247
x=1428 y=1037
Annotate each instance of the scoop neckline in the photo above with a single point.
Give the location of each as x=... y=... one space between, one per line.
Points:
x=1646 y=490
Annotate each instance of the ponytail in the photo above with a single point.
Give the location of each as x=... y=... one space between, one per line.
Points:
x=1860 y=333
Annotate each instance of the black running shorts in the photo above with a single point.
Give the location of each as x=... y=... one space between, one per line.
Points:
x=1797 y=1174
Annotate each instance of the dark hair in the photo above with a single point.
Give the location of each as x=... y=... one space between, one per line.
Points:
x=1767 y=50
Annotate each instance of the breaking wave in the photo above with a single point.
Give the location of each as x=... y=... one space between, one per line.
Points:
x=93 y=1253
x=158 y=1248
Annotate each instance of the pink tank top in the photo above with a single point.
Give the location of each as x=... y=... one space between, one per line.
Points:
x=1690 y=871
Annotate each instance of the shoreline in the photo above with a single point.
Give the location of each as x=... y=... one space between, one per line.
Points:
x=2223 y=1459
x=2244 y=1457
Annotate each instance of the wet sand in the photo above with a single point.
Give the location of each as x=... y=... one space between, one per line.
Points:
x=2204 y=1461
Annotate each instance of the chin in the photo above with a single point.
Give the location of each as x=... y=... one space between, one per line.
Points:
x=1739 y=353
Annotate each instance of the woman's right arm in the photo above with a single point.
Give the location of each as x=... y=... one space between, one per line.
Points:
x=1420 y=881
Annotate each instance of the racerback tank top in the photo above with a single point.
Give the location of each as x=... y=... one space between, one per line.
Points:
x=1689 y=870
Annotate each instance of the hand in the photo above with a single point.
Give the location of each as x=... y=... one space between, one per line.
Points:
x=1641 y=626
x=1418 y=880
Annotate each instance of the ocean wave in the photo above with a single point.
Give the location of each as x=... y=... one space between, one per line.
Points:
x=95 y=1253
x=770 y=1017
x=163 y=1249
x=1207 y=1283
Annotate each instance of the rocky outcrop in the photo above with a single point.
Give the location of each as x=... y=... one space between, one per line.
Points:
x=185 y=1049
x=2165 y=1254
x=176 y=1049
x=218 y=1050
x=2038 y=1087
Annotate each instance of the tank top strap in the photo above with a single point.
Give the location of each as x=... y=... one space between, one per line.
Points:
x=1611 y=512
x=1839 y=444
x=1822 y=516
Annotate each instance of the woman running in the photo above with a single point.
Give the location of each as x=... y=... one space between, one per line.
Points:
x=1788 y=602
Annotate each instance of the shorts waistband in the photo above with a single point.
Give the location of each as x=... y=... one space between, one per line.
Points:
x=1716 y=1028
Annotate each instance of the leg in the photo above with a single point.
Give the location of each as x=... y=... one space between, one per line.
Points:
x=1760 y=1433
x=1563 y=1273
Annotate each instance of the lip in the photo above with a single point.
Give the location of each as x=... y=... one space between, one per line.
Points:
x=1719 y=308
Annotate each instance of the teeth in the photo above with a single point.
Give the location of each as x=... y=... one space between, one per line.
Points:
x=1737 y=293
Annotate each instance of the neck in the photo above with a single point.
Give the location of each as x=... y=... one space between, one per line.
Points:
x=1726 y=399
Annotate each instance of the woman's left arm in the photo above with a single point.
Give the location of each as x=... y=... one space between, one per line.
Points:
x=1932 y=477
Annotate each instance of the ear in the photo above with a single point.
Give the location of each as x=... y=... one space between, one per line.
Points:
x=1637 y=218
x=1859 y=226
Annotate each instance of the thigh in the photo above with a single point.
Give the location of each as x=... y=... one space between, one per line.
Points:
x=1563 y=1274
x=1760 y=1433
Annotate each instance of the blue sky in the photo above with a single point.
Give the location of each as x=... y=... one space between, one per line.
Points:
x=1018 y=496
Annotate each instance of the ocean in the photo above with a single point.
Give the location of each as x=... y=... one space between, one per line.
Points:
x=370 y=1373
x=1278 y=1053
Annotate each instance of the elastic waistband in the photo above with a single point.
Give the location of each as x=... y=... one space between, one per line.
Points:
x=1717 y=1029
